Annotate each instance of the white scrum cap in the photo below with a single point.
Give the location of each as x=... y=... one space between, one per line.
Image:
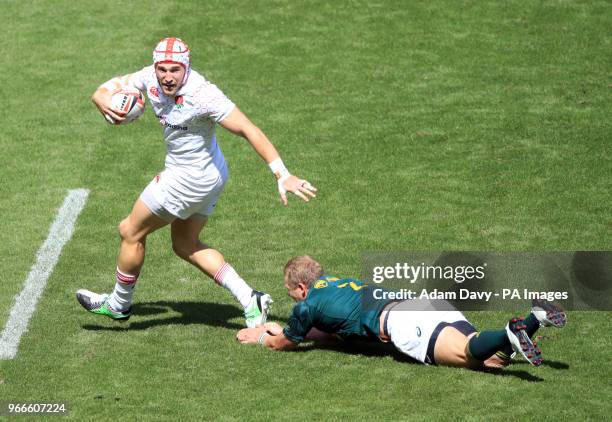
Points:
x=173 y=50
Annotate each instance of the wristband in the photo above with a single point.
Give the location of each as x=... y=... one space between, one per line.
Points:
x=278 y=168
x=262 y=337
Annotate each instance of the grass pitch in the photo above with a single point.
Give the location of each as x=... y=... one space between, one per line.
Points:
x=425 y=126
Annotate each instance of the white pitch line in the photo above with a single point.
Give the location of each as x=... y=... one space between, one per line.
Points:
x=46 y=258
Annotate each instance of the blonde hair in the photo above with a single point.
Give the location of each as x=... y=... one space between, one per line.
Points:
x=302 y=269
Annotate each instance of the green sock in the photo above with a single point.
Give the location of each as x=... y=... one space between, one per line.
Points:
x=532 y=324
x=484 y=344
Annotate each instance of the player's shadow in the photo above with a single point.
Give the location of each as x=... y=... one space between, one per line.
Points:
x=356 y=347
x=373 y=349
x=518 y=373
x=555 y=365
x=205 y=313
x=550 y=363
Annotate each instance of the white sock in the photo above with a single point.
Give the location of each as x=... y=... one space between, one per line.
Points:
x=121 y=298
x=227 y=277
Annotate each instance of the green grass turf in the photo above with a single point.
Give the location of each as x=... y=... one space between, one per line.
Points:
x=426 y=126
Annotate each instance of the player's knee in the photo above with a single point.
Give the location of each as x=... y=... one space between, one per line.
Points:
x=126 y=231
x=183 y=249
x=122 y=228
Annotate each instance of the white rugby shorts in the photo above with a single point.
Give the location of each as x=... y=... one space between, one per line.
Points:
x=414 y=333
x=178 y=194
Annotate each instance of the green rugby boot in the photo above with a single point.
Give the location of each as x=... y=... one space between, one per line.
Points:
x=98 y=304
x=256 y=312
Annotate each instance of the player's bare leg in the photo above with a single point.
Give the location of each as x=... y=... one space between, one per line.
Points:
x=133 y=231
x=187 y=245
x=451 y=349
x=478 y=350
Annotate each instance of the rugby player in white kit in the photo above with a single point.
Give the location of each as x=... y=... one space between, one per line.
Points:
x=184 y=194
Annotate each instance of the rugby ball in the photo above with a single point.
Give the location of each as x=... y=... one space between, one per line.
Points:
x=130 y=101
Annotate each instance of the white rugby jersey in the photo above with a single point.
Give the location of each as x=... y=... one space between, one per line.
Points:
x=188 y=120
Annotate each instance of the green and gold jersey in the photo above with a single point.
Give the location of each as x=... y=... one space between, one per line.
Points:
x=341 y=306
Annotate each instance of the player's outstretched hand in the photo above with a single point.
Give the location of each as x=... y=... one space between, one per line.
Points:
x=273 y=328
x=297 y=186
x=250 y=335
x=102 y=98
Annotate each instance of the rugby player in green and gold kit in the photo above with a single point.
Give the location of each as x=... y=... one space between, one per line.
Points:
x=346 y=308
